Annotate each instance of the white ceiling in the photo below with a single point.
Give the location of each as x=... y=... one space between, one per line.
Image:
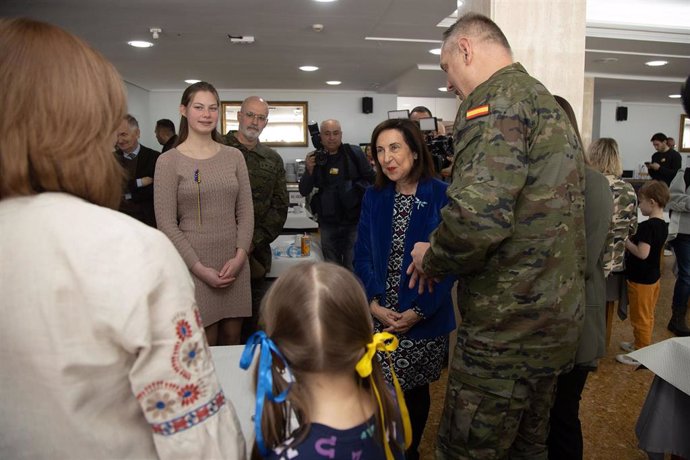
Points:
x=195 y=44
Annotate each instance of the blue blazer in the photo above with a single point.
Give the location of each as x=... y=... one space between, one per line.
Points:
x=373 y=247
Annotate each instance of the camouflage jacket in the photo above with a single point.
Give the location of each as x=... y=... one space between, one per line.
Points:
x=623 y=223
x=514 y=230
x=270 y=198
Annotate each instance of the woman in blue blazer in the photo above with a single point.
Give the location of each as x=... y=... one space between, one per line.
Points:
x=401 y=209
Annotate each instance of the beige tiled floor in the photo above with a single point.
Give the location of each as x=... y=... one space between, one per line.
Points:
x=612 y=398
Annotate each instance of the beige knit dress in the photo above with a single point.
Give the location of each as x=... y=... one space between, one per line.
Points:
x=205 y=208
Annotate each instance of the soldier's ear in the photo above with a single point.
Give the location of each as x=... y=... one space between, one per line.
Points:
x=465 y=47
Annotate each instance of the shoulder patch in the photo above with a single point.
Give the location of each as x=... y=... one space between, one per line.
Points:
x=477 y=112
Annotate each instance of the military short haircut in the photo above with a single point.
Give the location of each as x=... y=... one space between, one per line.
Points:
x=477 y=25
x=655 y=190
x=167 y=124
x=661 y=137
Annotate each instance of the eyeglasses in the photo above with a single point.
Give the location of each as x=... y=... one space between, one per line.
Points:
x=255 y=116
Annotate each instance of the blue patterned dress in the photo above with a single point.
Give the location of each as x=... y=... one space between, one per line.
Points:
x=417 y=361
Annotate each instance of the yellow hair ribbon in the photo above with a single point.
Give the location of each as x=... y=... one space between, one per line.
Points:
x=364 y=368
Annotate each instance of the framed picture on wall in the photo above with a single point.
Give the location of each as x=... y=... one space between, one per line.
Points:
x=287 y=122
x=684 y=135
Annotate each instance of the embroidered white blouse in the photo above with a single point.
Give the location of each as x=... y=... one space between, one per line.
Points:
x=102 y=352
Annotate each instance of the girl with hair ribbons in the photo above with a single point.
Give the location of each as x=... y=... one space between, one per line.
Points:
x=319 y=368
x=203 y=203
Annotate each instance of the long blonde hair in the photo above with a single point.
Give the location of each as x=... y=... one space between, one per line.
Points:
x=318 y=316
x=62 y=102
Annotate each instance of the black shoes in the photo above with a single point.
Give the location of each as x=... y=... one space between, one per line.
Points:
x=678 y=327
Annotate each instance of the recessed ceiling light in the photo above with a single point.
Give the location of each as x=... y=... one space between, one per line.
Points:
x=443 y=89
x=674 y=96
x=324 y=1
x=333 y=82
x=191 y=81
x=656 y=63
x=436 y=51
x=140 y=44
x=308 y=68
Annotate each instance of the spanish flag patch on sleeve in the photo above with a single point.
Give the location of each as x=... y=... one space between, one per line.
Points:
x=477 y=112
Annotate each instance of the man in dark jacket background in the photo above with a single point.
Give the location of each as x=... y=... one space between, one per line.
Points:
x=140 y=164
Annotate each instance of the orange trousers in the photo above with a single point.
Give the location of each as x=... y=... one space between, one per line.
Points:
x=642 y=300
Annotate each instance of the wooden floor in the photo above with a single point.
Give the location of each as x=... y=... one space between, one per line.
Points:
x=612 y=398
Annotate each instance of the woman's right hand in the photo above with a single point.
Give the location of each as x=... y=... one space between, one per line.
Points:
x=211 y=276
x=385 y=316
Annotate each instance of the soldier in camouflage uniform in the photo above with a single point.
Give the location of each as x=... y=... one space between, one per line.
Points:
x=269 y=195
x=514 y=232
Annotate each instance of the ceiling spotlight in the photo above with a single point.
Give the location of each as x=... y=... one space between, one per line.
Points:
x=308 y=68
x=436 y=51
x=656 y=63
x=443 y=89
x=674 y=96
x=191 y=81
x=324 y=1
x=333 y=82
x=155 y=31
x=140 y=44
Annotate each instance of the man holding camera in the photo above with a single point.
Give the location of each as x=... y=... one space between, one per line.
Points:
x=340 y=172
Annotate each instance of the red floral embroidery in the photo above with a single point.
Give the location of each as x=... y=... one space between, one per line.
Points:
x=176 y=365
x=189 y=394
x=183 y=329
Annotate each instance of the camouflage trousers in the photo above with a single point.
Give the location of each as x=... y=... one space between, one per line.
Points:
x=495 y=418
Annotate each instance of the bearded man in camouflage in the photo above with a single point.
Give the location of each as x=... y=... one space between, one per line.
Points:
x=269 y=196
x=514 y=232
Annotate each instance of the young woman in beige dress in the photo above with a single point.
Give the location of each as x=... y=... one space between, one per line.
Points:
x=203 y=202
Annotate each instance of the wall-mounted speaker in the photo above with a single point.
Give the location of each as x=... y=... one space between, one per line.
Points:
x=621 y=113
x=367 y=104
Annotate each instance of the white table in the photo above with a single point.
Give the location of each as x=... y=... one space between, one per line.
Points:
x=298 y=218
x=238 y=386
x=282 y=262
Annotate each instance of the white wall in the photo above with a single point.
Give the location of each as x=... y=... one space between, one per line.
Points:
x=345 y=106
x=633 y=134
x=138 y=106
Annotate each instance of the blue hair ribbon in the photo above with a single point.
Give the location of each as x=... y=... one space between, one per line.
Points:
x=264 y=383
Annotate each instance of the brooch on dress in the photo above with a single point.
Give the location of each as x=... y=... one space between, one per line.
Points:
x=197 y=180
x=419 y=203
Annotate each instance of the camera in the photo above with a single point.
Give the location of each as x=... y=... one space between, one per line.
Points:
x=321 y=156
x=440 y=147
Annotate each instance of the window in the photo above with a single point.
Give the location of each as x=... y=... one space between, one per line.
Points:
x=287 y=122
x=684 y=136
